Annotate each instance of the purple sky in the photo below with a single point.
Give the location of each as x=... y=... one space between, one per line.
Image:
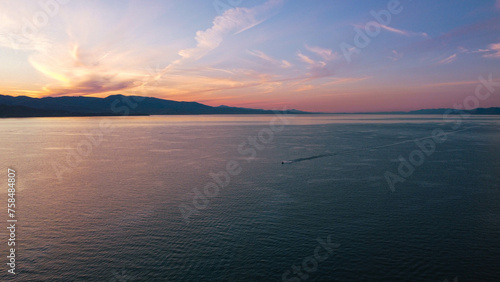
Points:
x=331 y=56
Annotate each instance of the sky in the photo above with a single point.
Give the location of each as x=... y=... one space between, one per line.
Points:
x=328 y=56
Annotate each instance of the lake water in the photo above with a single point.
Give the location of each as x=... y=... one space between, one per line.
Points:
x=123 y=199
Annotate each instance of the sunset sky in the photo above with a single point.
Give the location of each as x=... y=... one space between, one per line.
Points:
x=261 y=54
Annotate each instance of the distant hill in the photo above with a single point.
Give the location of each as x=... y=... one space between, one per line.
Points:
x=113 y=105
x=116 y=105
x=478 y=111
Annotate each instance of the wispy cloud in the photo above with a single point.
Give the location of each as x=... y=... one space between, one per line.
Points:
x=495 y=48
x=450 y=83
x=259 y=54
x=342 y=80
x=493 y=51
x=85 y=71
x=66 y=52
x=326 y=54
x=233 y=21
x=448 y=60
x=480 y=51
x=325 y=84
x=317 y=69
x=404 y=32
x=77 y=64
x=91 y=85
x=305 y=59
x=305 y=87
x=457 y=35
x=395 y=55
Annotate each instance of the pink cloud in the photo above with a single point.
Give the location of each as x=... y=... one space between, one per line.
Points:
x=404 y=32
x=317 y=69
x=495 y=48
x=259 y=54
x=448 y=60
x=459 y=34
x=92 y=85
x=233 y=21
x=305 y=59
x=395 y=55
x=326 y=54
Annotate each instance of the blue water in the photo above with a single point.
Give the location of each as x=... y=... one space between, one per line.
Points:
x=110 y=211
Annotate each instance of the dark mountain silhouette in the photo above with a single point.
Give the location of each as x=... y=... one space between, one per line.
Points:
x=113 y=105
x=116 y=105
x=478 y=111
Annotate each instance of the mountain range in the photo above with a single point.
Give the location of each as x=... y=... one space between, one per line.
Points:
x=114 y=105
x=117 y=105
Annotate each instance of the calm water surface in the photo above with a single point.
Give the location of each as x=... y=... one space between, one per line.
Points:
x=101 y=204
